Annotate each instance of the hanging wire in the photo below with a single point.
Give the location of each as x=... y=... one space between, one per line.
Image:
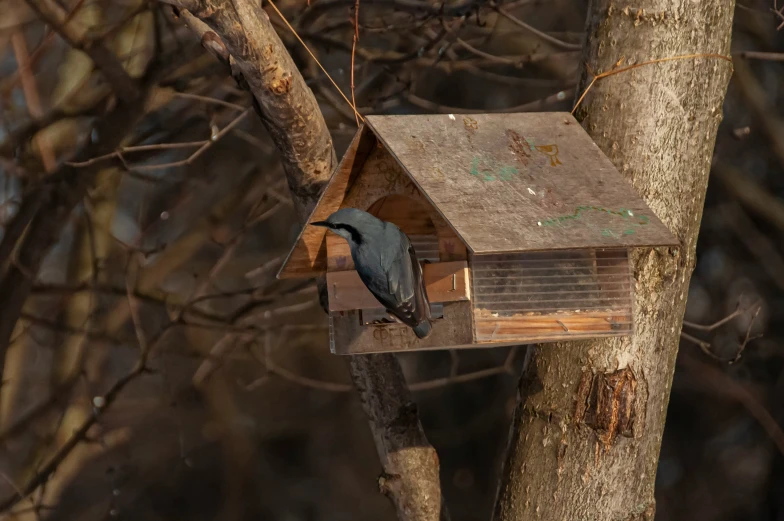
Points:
x=294 y=32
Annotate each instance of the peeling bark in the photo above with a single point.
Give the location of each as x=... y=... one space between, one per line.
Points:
x=586 y=435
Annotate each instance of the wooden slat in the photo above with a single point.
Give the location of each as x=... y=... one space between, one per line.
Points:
x=520 y=182
x=445 y=282
x=563 y=325
x=349 y=337
x=338 y=254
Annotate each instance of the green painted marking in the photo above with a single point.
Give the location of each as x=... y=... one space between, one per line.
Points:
x=627 y=215
x=638 y=220
x=504 y=173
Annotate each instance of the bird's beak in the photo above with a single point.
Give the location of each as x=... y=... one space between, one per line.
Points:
x=323 y=224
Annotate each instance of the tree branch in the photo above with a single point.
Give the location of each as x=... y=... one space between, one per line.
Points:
x=410 y=477
x=260 y=63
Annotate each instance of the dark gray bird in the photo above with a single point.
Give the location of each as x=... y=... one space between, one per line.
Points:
x=386 y=263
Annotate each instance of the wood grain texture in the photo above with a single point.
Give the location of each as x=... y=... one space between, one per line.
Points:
x=551 y=327
x=366 y=178
x=308 y=257
x=658 y=125
x=520 y=182
x=445 y=282
x=348 y=336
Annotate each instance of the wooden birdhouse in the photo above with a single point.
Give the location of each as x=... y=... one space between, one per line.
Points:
x=523 y=224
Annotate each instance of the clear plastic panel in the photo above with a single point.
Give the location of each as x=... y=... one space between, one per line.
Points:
x=541 y=295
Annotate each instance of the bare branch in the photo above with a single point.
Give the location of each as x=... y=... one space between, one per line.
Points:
x=31 y=94
x=756 y=55
x=706 y=346
x=288 y=109
x=37 y=230
x=203 y=147
x=750 y=194
x=80 y=434
x=410 y=464
x=724 y=385
x=544 y=36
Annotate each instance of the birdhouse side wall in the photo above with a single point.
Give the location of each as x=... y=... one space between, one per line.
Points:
x=551 y=296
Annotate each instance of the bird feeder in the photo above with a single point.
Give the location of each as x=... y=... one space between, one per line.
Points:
x=523 y=225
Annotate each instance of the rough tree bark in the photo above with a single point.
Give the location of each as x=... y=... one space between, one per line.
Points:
x=239 y=33
x=587 y=431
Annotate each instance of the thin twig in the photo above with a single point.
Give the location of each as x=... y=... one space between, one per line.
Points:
x=208 y=99
x=301 y=41
x=705 y=347
x=80 y=434
x=750 y=194
x=544 y=36
x=137 y=148
x=133 y=305
x=203 y=147
x=724 y=384
x=525 y=107
x=642 y=64
x=353 y=55
x=756 y=55
x=779 y=13
x=710 y=327
x=453 y=379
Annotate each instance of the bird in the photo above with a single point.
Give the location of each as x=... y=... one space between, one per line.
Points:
x=387 y=264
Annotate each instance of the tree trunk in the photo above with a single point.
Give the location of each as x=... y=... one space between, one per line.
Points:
x=587 y=431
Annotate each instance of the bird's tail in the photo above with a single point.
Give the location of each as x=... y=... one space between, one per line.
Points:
x=423 y=329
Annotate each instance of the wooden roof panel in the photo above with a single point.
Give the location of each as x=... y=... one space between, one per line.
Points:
x=309 y=253
x=520 y=182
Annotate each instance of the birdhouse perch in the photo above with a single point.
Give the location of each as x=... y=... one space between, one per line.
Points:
x=523 y=224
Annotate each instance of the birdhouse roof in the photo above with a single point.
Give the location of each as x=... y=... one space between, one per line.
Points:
x=503 y=182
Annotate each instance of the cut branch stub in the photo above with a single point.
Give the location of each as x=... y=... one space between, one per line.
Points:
x=606 y=403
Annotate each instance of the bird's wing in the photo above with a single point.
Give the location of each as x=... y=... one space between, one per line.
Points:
x=399 y=271
x=420 y=292
x=407 y=298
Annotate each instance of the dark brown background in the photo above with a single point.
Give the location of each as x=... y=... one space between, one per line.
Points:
x=268 y=438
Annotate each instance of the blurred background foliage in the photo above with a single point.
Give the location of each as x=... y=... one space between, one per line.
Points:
x=241 y=412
